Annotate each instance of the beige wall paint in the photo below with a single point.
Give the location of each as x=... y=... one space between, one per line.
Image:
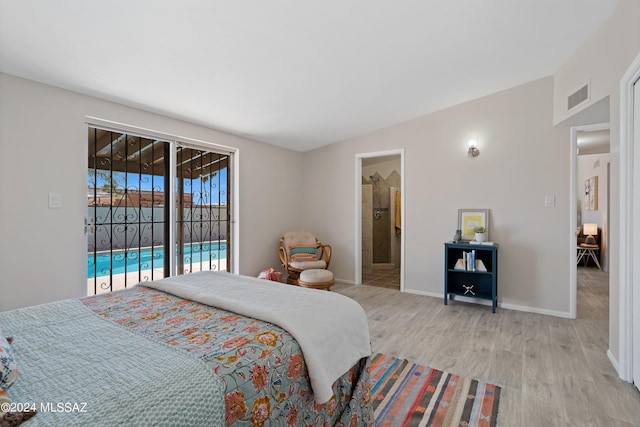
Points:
x=43 y=146
x=603 y=60
x=523 y=158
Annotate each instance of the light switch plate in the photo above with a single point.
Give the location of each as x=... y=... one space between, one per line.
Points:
x=55 y=200
x=549 y=201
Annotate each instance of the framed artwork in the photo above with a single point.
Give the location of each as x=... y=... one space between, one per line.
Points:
x=591 y=194
x=469 y=219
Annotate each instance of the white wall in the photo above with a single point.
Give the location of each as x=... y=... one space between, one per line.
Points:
x=603 y=60
x=523 y=158
x=43 y=148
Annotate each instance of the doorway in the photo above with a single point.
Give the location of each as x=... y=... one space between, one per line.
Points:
x=380 y=219
x=593 y=185
x=590 y=159
x=592 y=227
x=155 y=208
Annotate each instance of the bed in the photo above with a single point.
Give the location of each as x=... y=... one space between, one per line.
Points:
x=208 y=348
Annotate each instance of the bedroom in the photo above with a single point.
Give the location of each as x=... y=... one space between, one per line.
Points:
x=524 y=153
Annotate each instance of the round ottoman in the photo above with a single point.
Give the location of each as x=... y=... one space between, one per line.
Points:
x=316 y=279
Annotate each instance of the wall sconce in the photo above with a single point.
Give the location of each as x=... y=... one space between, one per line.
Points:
x=473 y=148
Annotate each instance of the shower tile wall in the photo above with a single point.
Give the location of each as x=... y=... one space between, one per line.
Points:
x=367 y=226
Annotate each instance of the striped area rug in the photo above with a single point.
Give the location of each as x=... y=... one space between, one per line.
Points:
x=406 y=394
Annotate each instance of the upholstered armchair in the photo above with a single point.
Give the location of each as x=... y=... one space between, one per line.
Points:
x=301 y=250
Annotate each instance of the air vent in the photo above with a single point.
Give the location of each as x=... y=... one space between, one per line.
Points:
x=578 y=97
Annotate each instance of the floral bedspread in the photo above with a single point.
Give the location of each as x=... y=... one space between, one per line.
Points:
x=260 y=364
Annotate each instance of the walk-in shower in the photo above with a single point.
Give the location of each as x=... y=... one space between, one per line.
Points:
x=380 y=240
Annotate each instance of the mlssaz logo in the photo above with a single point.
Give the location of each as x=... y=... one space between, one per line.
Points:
x=63 y=407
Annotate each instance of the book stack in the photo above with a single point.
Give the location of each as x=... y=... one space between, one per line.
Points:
x=468 y=262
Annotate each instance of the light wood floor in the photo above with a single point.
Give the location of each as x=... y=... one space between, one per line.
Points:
x=553 y=371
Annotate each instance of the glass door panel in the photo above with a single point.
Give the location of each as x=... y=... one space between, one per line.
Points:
x=126 y=210
x=202 y=223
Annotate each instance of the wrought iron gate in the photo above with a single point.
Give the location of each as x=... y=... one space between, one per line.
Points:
x=201 y=211
x=130 y=216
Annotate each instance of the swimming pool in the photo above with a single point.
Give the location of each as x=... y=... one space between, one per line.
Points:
x=150 y=258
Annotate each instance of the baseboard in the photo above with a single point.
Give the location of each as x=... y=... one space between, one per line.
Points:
x=427 y=294
x=563 y=314
x=614 y=362
x=507 y=306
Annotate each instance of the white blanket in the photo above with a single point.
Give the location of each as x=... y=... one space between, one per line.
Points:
x=332 y=329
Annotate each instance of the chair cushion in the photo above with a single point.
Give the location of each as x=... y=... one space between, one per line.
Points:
x=305 y=265
x=316 y=276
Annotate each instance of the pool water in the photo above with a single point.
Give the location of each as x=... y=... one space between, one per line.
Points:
x=149 y=258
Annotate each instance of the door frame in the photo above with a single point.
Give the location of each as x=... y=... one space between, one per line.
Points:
x=233 y=175
x=629 y=247
x=573 y=215
x=358 y=211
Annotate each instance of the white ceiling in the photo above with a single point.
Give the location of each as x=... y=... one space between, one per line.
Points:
x=294 y=73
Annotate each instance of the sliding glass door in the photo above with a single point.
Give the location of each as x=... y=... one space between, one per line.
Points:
x=202 y=187
x=134 y=230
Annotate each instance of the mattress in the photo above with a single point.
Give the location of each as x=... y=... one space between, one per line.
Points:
x=234 y=369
